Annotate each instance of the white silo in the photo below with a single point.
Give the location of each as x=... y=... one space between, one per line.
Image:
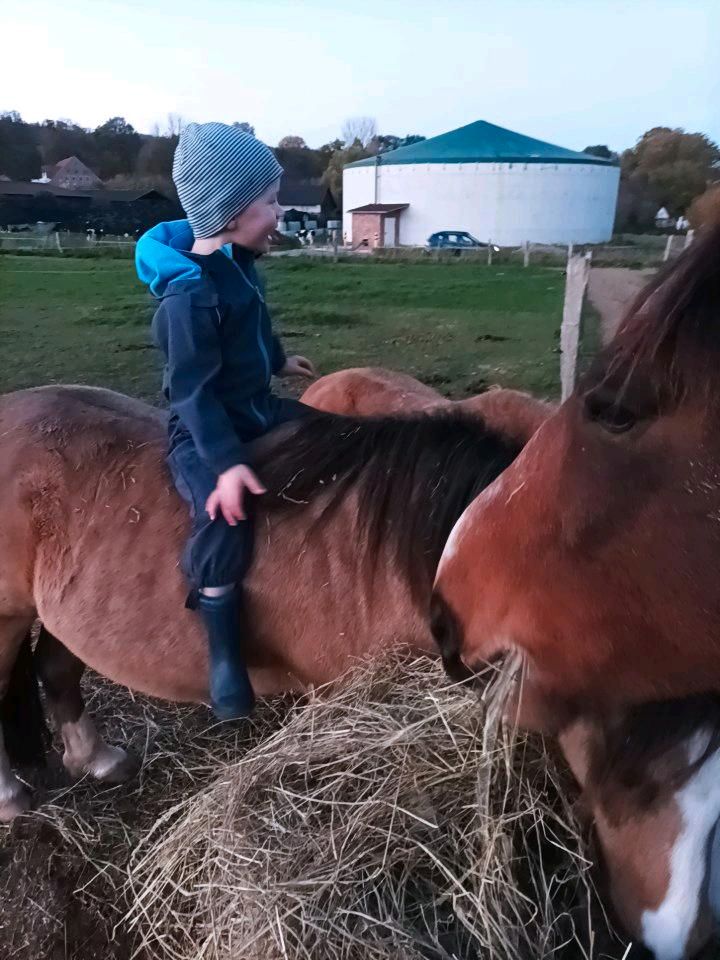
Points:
x=493 y=183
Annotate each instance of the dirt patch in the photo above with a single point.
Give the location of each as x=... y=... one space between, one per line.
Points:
x=63 y=867
x=611 y=290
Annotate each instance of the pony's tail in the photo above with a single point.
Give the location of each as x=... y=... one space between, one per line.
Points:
x=25 y=732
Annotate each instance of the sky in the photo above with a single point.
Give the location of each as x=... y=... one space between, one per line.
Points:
x=573 y=72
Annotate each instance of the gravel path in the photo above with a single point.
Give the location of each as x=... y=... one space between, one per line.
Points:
x=610 y=291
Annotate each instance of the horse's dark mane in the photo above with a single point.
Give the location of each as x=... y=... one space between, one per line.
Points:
x=413 y=475
x=644 y=751
x=671 y=331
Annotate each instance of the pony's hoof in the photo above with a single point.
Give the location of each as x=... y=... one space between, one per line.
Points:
x=121 y=767
x=109 y=765
x=13 y=805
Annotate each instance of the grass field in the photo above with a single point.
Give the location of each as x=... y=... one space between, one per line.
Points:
x=459 y=327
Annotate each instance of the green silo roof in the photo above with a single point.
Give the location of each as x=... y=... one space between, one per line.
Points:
x=481 y=142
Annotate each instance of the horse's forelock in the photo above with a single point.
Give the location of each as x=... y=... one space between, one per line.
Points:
x=670 y=335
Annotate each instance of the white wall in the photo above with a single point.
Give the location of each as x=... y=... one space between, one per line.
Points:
x=358 y=189
x=504 y=202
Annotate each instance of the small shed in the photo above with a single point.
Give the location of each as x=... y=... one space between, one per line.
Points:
x=663 y=220
x=377 y=224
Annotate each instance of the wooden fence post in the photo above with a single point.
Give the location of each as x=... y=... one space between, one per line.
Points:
x=577 y=275
x=526 y=254
x=668 y=248
x=489 y=253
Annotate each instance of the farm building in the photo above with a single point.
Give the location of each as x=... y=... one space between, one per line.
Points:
x=303 y=201
x=496 y=184
x=113 y=211
x=71 y=174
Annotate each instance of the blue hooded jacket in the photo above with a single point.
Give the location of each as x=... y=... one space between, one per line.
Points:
x=214 y=329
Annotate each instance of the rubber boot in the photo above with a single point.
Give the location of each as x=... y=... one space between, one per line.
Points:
x=231 y=694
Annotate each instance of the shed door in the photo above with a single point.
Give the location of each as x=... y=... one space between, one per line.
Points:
x=390 y=231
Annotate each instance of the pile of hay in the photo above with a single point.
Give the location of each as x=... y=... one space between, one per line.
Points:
x=394 y=818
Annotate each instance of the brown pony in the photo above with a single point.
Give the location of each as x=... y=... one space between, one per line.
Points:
x=651 y=780
x=595 y=558
x=374 y=391
x=371 y=392
x=597 y=555
x=348 y=540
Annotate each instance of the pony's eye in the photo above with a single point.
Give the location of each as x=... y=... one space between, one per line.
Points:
x=608 y=413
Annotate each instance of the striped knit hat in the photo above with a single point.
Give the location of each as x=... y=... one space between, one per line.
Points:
x=219 y=171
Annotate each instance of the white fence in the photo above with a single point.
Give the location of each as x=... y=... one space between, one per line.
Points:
x=33 y=241
x=577 y=275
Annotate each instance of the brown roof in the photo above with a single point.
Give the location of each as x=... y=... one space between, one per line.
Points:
x=54 y=168
x=381 y=208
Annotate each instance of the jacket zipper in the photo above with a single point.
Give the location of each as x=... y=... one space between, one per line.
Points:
x=263 y=350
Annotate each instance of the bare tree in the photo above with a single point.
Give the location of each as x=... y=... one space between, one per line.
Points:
x=292 y=143
x=360 y=129
x=175 y=125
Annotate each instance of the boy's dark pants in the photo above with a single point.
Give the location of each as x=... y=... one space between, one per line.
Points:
x=218 y=555
x=215 y=554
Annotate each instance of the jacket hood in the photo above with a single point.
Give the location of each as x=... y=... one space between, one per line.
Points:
x=161 y=256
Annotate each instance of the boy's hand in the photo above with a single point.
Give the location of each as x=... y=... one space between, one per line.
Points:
x=298 y=367
x=229 y=493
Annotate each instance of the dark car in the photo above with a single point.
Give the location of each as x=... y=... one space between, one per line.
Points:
x=453 y=240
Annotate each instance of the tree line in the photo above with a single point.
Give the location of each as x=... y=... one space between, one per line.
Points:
x=666 y=167
x=124 y=158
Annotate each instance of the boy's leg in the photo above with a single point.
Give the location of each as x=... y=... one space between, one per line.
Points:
x=216 y=559
x=231 y=693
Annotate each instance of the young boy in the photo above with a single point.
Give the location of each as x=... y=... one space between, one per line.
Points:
x=213 y=326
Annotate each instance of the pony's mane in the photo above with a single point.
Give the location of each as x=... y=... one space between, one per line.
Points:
x=413 y=477
x=671 y=331
x=645 y=750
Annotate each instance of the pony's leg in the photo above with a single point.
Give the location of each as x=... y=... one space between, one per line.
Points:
x=14 y=798
x=85 y=750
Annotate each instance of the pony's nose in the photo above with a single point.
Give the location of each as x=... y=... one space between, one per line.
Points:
x=447 y=633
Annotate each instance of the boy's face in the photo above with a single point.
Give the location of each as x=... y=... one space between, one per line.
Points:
x=252 y=228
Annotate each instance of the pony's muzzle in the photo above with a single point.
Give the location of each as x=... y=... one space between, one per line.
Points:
x=447 y=634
